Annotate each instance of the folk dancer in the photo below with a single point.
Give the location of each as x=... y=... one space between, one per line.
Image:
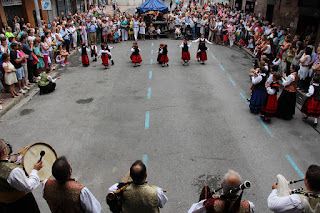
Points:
x=109 y=48
x=104 y=54
x=64 y=194
x=287 y=100
x=94 y=51
x=164 y=56
x=139 y=196
x=269 y=106
x=227 y=202
x=201 y=52
x=15 y=187
x=304 y=201
x=185 y=52
x=135 y=56
x=311 y=107
x=84 y=56
x=258 y=79
x=159 y=54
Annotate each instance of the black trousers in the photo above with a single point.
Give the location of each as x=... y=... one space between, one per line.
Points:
x=30 y=70
x=26 y=204
x=67 y=44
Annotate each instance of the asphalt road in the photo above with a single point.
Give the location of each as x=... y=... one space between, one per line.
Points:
x=199 y=125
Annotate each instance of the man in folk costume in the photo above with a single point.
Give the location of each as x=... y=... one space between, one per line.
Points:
x=227 y=202
x=15 y=186
x=185 y=52
x=202 y=49
x=139 y=196
x=135 y=56
x=311 y=107
x=301 y=201
x=94 y=51
x=64 y=194
x=164 y=56
x=84 y=55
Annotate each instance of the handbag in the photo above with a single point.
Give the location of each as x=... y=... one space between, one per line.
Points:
x=35 y=59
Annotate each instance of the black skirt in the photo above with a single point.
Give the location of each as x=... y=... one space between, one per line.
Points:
x=47 y=89
x=26 y=204
x=286 y=105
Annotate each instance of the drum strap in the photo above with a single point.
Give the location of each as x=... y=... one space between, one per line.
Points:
x=10 y=197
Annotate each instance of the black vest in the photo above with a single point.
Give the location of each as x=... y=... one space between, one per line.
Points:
x=136 y=51
x=316 y=94
x=185 y=48
x=84 y=50
x=261 y=84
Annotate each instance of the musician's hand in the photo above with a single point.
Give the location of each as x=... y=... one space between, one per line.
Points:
x=38 y=166
x=275 y=185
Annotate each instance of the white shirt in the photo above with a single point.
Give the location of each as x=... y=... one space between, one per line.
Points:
x=257 y=79
x=182 y=45
x=200 y=208
x=276 y=61
x=18 y=180
x=162 y=198
x=288 y=80
x=202 y=39
x=88 y=202
x=311 y=89
x=291 y=203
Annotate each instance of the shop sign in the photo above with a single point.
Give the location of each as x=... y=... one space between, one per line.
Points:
x=46 y=5
x=6 y=3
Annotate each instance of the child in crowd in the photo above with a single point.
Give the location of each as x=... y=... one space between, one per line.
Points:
x=251 y=44
x=158 y=31
x=60 y=59
x=135 y=56
x=269 y=106
x=94 y=51
x=116 y=36
x=151 y=31
x=84 y=55
x=36 y=50
x=311 y=107
x=185 y=52
x=164 y=56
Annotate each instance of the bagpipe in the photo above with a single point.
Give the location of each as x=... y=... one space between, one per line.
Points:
x=113 y=199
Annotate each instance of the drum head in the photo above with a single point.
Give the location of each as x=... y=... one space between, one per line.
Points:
x=32 y=155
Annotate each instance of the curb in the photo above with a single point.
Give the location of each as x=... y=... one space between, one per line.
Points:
x=14 y=101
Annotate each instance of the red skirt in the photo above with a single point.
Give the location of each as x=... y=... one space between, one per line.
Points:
x=185 y=56
x=105 y=59
x=225 y=37
x=202 y=56
x=269 y=107
x=311 y=107
x=136 y=58
x=85 y=60
x=164 y=59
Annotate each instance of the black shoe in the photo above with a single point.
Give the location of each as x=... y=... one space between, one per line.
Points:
x=315 y=124
x=112 y=62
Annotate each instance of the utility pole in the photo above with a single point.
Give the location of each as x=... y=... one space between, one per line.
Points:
x=36 y=6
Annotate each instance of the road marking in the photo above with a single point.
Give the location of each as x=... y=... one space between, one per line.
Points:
x=152 y=44
x=150 y=74
x=233 y=83
x=213 y=56
x=244 y=97
x=222 y=68
x=295 y=166
x=151 y=51
x=149 y=93
x=151 y=61
x=265 y=126
x=146 y=122
x=145 y=160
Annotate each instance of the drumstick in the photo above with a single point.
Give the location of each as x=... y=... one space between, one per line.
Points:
x=42 y=153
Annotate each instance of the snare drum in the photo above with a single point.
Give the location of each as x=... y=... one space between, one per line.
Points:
x=31 y=154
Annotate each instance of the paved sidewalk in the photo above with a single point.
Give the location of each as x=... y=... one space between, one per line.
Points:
x=7 y=102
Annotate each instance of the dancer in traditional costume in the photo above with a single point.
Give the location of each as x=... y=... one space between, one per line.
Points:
x=164 y=56
x=159 y=54
x=269 y=106
x=94 y=51
x=84 y=55
x=109 y=48
x=104 y=54
x=258 y=80
x=311 y=107
x=287 y=99
x=185 y=52
x=202 y=49
x=135 y=56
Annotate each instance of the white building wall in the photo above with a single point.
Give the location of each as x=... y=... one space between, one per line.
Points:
x=130 y=2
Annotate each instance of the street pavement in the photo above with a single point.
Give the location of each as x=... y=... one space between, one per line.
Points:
x=189 y=124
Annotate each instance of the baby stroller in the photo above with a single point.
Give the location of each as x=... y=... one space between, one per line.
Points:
x=177 y=32
x=188 y=32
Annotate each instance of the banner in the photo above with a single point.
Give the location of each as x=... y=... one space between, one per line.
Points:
x=6 y=3
x=46 y=5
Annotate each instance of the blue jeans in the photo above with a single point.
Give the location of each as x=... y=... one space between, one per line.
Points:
x=193 y=32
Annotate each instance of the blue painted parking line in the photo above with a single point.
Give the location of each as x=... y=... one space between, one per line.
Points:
x=233 y=83
x=151 y=61
x=222 y=68
x=145 y=160
x=146 y=123
x=150 y=74
x=244 y=97
x=152 y=44
x=265 y=126
x=213 y=56
x=151 y=51
x=294 y=165
x=149 y=93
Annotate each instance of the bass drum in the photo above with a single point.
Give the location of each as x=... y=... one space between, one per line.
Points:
x=31 y=154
